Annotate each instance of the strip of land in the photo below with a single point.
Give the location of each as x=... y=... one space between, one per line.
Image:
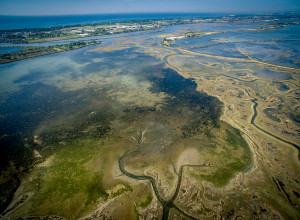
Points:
x=30 y=52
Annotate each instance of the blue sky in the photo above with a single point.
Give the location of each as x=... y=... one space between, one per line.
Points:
x=58 y=7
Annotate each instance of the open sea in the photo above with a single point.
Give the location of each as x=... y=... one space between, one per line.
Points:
x=20 y=22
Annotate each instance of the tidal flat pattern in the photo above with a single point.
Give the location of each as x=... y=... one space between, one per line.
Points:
x=135 y=129
x=85 y=130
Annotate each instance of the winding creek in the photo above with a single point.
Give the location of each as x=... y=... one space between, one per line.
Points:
x=259 y=128
x=204 y=110
x=167 y=204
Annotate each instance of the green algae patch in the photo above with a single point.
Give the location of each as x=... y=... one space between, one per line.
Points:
x=229 y=155
x=146 y=201
x=103 y=125
x=66 y=186
x=119 y=189
x=95 y=189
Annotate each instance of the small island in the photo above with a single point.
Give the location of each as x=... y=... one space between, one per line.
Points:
x=30 y=52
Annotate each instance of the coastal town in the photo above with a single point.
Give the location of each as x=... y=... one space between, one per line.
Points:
x=50 y=34
x=37 y=35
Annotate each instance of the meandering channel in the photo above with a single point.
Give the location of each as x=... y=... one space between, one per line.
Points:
x=277 y=137
x=167 y=205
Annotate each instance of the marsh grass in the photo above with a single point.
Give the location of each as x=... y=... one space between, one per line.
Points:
x=86 y=146
x=226 y=158
x=146 y=201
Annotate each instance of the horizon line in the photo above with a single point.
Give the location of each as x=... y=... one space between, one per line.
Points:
x=115 y=13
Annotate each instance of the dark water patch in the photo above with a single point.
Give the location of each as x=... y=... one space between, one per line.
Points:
x=15 y=160
x=184 y=93
x=280 y=86
x=270 y=112
x=8 y=186
x=295 y=117
x=20 y=114
x=296 y=194
x=282 y=186
x=266 y=73
x=83 y=126
x=283 y=87
x=26 y=108
x=276 y=184
x=39 y=104
x=31 y=77
x=174 y=84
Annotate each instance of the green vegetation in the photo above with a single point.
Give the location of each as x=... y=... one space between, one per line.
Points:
x=66 y=186
x=194 y=34
x=165 y=42
x=64 y=37
x=219 y=177
x=95 y=188
x=235 y=139
x=188 y=65
x=146 y=201
x=125 y=188
x=30 y=52
x=226 y=160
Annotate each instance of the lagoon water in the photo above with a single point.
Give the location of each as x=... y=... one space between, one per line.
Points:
x=47 y=94
x=55 y=70
x=280 y=46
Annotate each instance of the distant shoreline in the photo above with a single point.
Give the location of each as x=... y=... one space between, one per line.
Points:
x=39 y=35
x=13 y=22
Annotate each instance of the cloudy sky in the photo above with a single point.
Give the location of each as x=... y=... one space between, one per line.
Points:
x=59 y=7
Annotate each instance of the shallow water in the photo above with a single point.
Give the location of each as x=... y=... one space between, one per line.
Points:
x=9 y=49
x=80 y=94
x=279 y=46
x=53 y=93
x=225 y=50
